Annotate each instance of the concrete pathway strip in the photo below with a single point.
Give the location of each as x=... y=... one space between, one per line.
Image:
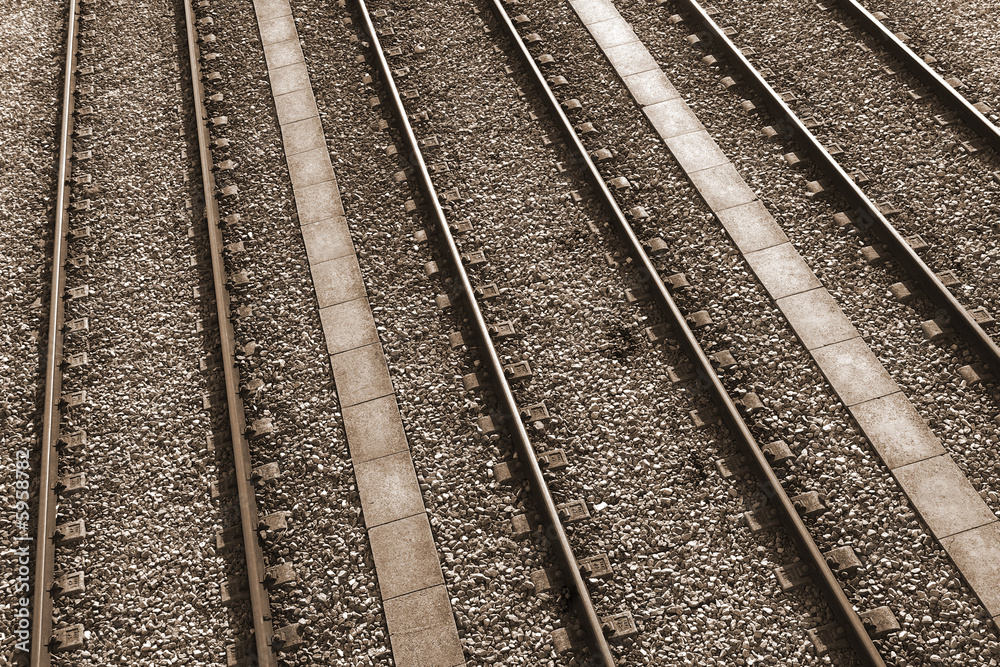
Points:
x=418 y=612
x=955 y=514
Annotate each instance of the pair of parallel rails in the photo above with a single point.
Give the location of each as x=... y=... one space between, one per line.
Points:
x=866 y=213
x=43 y=640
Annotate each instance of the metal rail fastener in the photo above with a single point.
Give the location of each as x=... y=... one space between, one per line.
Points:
x=825 y=577
x=869 y=213
x=589 y=621
x=249 y=516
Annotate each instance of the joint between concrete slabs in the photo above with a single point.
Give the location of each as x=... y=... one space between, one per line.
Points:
x=327 y=239
x=289 y=79
x=898 y=433
x=614 y=31
x=374 y=429
x=405 y=556
x=388 y=488
x=650 y=87
x=271 y=9
x=969 y=530
x=348 y=325
x=295 y=106
x=943 y=496
x=282 y=54
x=976 y=553
x=277 y=29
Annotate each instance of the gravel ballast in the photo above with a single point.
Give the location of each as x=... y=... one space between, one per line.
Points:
x=961 y=415
x=941 y=190
x=697 y=581
x=963 y=38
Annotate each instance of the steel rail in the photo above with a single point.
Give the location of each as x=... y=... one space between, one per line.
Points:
x=249 y=516
x=958 y=316
x=41 y=628
x=554 y=531
x=769 y=483
x=925 y=73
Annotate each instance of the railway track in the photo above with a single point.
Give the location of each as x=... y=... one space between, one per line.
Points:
x=498 y=374
x=624 y=54
x=864 y=214
x=46 y=642
x=973 y=114
x=867 y=214
x=789 y=511
x=251 y=521
x=960 y=44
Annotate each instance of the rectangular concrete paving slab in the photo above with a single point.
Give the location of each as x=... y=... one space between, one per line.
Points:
x=310 y=167
x=405 y=557
x=853 y=371
x=630 y=58
x=374 y=429
x=722 y=187
x=592 y=11
x=388 y=488
x=421 y=609
x=650 y=87
x=816 y=318
x=276 y=30
x=612 y=32
x=303 y=135
x=318 y=202
x=695 y=151
x=295 y=106
x=271 y=9
x=438 y=646
x=943 y=496
x=423 y=626
x=976 y=552
x=361 y=375
x=288 y=79
x=282 y=54
x=327 y=239
x=338 y=280
x=896 y=431
x=672 y=118
x=783 y=272
x=751 y=227
x=348 y=325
